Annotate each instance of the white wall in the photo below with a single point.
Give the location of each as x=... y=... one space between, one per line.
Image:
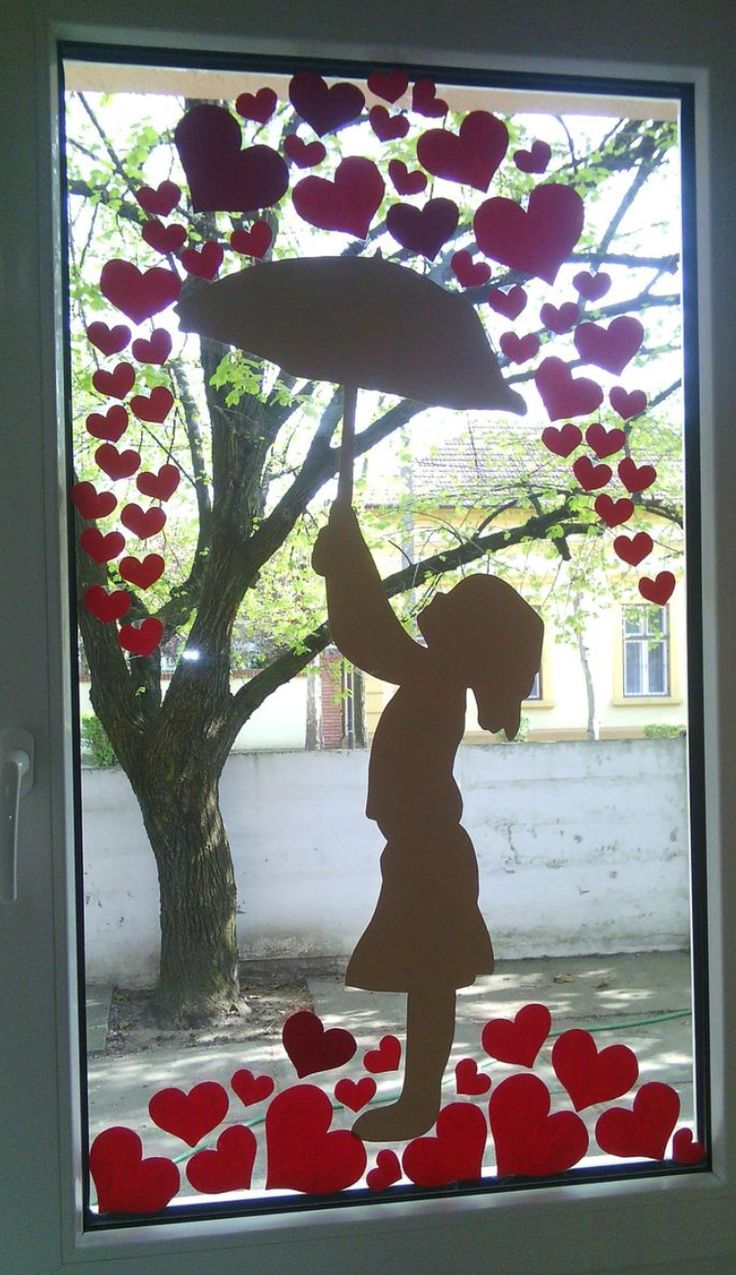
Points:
x=562 y=872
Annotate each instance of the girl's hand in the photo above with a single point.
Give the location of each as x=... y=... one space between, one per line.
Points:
x=330 y=538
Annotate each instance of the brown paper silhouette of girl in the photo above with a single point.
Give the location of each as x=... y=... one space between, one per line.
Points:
x=426 y=936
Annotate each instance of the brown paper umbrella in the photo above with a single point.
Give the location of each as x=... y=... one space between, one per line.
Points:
x=357 y=322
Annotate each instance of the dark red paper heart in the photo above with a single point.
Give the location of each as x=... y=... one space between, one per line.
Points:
x=143 y=522
x=509 y=303
x=519 y=349
x=117 y=464
x=164 y=239
x=188 y=1116
x=109 y=340
x=159 y=201
x=348 y=204
x=472 y=156
x=423 y=230
x=160 y=486
x=138 y=294
x=303 y=154
x=627 y=406
x=221 y=176
x=561 y=394
x=107 y=606
x=155 y=350
x=468 y=1080
x=103 y=548
x=390 y=85
x=254 y=242
x=455 y=1154
x=636 y=477
x=230 y=1167
x=535 y=160
x=610 y=348
x=589 y=1076
x=613 y=512
x=591 y=286
x=469 y=273
x=685 y=1150
x=635 y=549
x=604 y=442
x=643 y=1130
x=560 y=319
x=537 y=241
x=142 y=574
x=529 y=1141
x=562 y=441
x=424 y=100
x=311 y=1048
x=324 y=108
x=203 y=262
x=258 y=106
x=125 y=1182
x=355 y=1094
x=143 y=640
x=386 y=1058
x=387 y=128
x=249 y=1088
x=115 y=384
x=302 y=1153
x=153 y=407
x=109 y=425
x=520 y=1039
x=405 y=182
x=660 y=590
x=591 y=476
x=91 y=503
x=386 y=1172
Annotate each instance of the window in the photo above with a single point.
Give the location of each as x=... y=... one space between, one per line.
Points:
x=536 y=687
x=646 y=651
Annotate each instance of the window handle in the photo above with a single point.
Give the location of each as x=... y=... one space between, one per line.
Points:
x=16 y=780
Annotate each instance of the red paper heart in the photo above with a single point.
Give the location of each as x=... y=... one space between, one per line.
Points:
x=636 y=477
x=536 y=241
x=348 y=204
x=203 y=263
x=254 y=242
x=221 y=176
x=390 y=85
x=324 y=108
x=302 y=1154
x=115 y=384
x=258 y=106
x=519 y=349
x=188 y=1116
x=107 y=606
x=627 y=406
x=386 y=1172
x=560 y=319
x=139 y=295
x=562 y=441
x=455 y=1154
x=613 y=512
x=91 y=503
x=658 y=591
x=635 y=549
x=563 y=396
x=508 y=303
x=164 y=239
x=103 y=548
x=425 y=102
x=251 y=1089
x=386 y=1058
x=643 y=1130
x=143 y=522
x=604 y=442
x=303 y=154
x=156 y=350
x=591 y=476
x=387 y=128
x=534 y=160
x=469 y=273
x=110 y=425
x=161 y=201
x=610 y=348
x=153 y=407
x=160 y=486
x=117 y=464
x=109 y=340
x=589 y=1076
x=142 y=574
x=472 y=157
x=685 y=1150
x=230 y=1167
x=125 y=1182
x=520 y=1039
x=355 y=1094
x=529 y=1141
x=405 y=182
x=468 y=1080
x=592 y=286
x=141 y=641
x=423 y=230
x=311 y=1048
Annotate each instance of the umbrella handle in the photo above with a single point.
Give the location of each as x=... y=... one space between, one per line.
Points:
x=347 y=448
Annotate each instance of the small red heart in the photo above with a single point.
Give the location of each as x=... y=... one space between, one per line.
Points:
x=230 y=1167
x=110 y=425
x=160 y=486
x=254 y=242
x=138 y=294
x=107 y=606
x=508 y=303
x=109 y=340
x=125 y=1182
x=589 y=1076
x=604 y=442
x=221 y=176
x=324 y=108
x=561 y=394
x=390 y=85
x=115 y=384
x=536 y=241
x=103 y=548
x=156 y=350
x=91 y=503
x=143 y=522
x=455 y=1154
x=627 y=406
x=188 y=1116
x=685 y=1150
x=141 y=641
x=203 y=263
x=153 y=407
x=643 y=1130
x=610 y=348
x=355 y=1094
x=534 y=160
x=469 y=273
x=303 y=154
x=142 y=574
x=425 y=102
x=591 y=476
x=311 y=1048
x=529 y=1141
x=161 y=201
x=386 y=1172
x=302 y=1154
x=592 y=286
x=405 y=182
x=562 y=441
x=468 y=1080
x=633 y=550
x=519 y=349
x=423 y=230
x=613 y=512
x=560 y=319
x=520 y=1039
x=348 y=204
x=387 y=128
x=471 y=156
x=251 y=1089
x=658 y=591
x=386 y=1058
x=636 y=477
x=117 y=464
x=258 y=107
x=163 y=239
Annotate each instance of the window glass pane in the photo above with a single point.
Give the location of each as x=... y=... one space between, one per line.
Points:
x=634 y=621
x=657 y=668
x=633 y=681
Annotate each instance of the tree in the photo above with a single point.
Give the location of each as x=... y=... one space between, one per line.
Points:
x=257 y=453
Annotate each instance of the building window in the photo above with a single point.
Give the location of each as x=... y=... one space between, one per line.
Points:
x=646 y=651
x=536 y=688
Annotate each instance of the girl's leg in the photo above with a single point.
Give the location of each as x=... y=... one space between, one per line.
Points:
x=430 y=1027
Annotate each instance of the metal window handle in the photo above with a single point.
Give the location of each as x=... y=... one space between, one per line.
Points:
x=16 y=779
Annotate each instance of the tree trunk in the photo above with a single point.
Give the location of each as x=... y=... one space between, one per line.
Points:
x=313 y=731
x=592 y=730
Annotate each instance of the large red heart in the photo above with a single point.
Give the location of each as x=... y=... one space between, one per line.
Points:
x=610 y=348
x=520 y=1039
x=107 y=606
x=139 y=295
x=386 y=1172
x=221 y=176
x=161 y=201
x=660 y=590
x=536 y=241
x=142 y=574
x=109 y=340
x=519 y=349
x=627 y=406
x=91 y=503
x=469 y=1080
x=592 y=286
x=110 y=425
x=303 y=154
x=311 y=1048
x=163 y=239
x=471 y=157
x=534 y=160
x=561 y=318
x=635 y=549
x=143 y=522
x=230 y=1167
x=423 y=230
x=469 y=273
x=561 y=394
x=562 y=441
x=141 y=640
x=254 y=242
x=153 y=407
x=425 y=101
x=302 y=1154
x=117 y=464
x=405 y=182
x=387 y=128
x=160 y=486
x=636 y=477
x=348 y=204
x=386 y=1058
x=249 y=1088
x=203 y=262
x=102 y=548
x=156 y=350
x=115 y=384
x=604 y=442
x=643 y=1130
x=258 y=106
x=189 y=1116
x=455 y=1154
x=590 y=1076
x=613 y=512
x=125 y=1182
x=591 y=476
x=510 y=304
x=324 y=108
x=355 y=1093
x=390 y=85
x=529 y=1141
